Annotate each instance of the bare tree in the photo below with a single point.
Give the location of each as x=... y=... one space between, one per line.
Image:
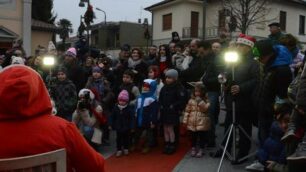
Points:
x=245 y=13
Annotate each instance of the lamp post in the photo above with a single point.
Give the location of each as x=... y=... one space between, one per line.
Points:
x=104 y=14
x=146 y=33
x=49 y=62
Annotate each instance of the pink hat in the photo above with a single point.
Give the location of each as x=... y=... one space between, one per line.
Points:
x=123 y=96
x=71 y=52
x=246 y=40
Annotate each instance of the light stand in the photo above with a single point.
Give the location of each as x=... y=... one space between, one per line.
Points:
x=232 y=58
x=49 y=61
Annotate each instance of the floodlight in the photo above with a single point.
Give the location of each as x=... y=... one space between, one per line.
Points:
x=48 y=61
x=231 y=57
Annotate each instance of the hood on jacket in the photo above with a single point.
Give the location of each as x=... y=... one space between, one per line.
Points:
x=153 y=87
x=283 y=56
x=23 y=94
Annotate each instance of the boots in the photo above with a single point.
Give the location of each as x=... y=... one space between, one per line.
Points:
x=295 y=121
x=171 y=149
x=166 y=147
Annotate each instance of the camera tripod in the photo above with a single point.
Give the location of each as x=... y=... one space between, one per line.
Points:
x=231 y=132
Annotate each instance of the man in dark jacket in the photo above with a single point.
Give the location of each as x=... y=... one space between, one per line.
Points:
x=74 y=72
x=272 y=86
x=210 y=80
x=240 y=90
x=194 y=72
x=276 y=33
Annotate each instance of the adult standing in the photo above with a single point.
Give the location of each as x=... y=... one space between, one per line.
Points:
x=74 y=72
x=240 y=90
x=210 y=80
x=275 y=33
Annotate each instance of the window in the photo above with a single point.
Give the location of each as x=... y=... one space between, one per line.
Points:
x=282 y=20
x=167 y=22
x=302 y=25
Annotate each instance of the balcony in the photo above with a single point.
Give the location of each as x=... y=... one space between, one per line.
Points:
x=190 y=33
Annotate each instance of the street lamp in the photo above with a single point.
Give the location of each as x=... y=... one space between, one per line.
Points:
x=49 y=62
x=104 y=14
x=146 y=32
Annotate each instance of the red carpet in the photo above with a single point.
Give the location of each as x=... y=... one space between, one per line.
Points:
x=151 y=162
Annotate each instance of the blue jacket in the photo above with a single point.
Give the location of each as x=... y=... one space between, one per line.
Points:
x=283 y=57
x=273 y=149
x=147 y=106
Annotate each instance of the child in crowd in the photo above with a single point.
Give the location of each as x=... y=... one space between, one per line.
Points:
x=178 y=57
x=64 y=94
x=146 y=114
x=197 y=119
x=88 y=116
x=272 y=155
x=154 y=73
x=188 y=58
x=101 y=88
x=122 y=120
x=129 y=86
x=172 y=102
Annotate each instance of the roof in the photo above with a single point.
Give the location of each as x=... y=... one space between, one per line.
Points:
x=164 y=2
x=43 y=26
x=6 y=33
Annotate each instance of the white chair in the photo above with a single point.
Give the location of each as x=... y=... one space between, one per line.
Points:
x=54 y=161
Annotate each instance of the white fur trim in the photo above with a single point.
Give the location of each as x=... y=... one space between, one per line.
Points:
x=245 y=42
x=147 y=102
x=91 y=95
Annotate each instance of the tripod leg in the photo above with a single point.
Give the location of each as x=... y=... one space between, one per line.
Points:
x=226 y=145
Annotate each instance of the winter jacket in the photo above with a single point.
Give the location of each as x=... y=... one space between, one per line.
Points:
x=65 y=96
x=210 y=75
x=275 y=38
x=196 y=116
x=123 y=120
x=301 y=94
x=274 y=81
x=102 y=87
x=29 y=128
x=172 y=101
x=86 y=120
x=273 y=149
x=245 y=77
x=141 y=71
x=147 y=106
x=194 y=72
x=76 y=74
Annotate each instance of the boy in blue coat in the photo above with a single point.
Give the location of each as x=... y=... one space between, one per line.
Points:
x=146 y=113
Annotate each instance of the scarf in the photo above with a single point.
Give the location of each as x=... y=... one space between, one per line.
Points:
x=133 y=63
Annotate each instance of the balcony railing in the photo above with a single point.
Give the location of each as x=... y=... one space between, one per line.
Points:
x=190 y=33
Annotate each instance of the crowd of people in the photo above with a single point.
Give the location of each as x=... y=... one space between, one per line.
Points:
x=179 y=86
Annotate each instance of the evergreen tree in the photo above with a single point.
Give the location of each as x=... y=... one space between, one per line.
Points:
x=43 y=10
x=65 y=28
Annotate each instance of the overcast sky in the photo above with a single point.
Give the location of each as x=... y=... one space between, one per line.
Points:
x=116 y=10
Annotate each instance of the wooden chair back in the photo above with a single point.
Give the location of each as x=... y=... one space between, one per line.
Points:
x=54 y=161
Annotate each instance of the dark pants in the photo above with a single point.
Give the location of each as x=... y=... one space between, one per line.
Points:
x=264 y=125
x=244 y=120
x=147 y=134
x=122 y=140
x=199 y=137
x=213 y=111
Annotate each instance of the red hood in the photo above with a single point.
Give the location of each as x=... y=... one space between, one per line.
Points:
x=22 y=93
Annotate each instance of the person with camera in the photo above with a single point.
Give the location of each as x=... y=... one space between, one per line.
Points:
x=88 y=116
x=240 y=90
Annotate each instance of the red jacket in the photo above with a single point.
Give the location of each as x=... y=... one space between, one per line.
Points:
x=27 y=126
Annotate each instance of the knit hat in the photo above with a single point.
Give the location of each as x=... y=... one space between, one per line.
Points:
x=246 y=40
x=123 y=96
x=62 y=69
x=97 y=69
x=263 y=48
x=83 y=91
x=17 y=60
x=172 y=73
x=274 y=24
x=71 y=52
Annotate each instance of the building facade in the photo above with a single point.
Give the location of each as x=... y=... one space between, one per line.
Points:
x=113 y=35
x=186 y=18
x=16 y=22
